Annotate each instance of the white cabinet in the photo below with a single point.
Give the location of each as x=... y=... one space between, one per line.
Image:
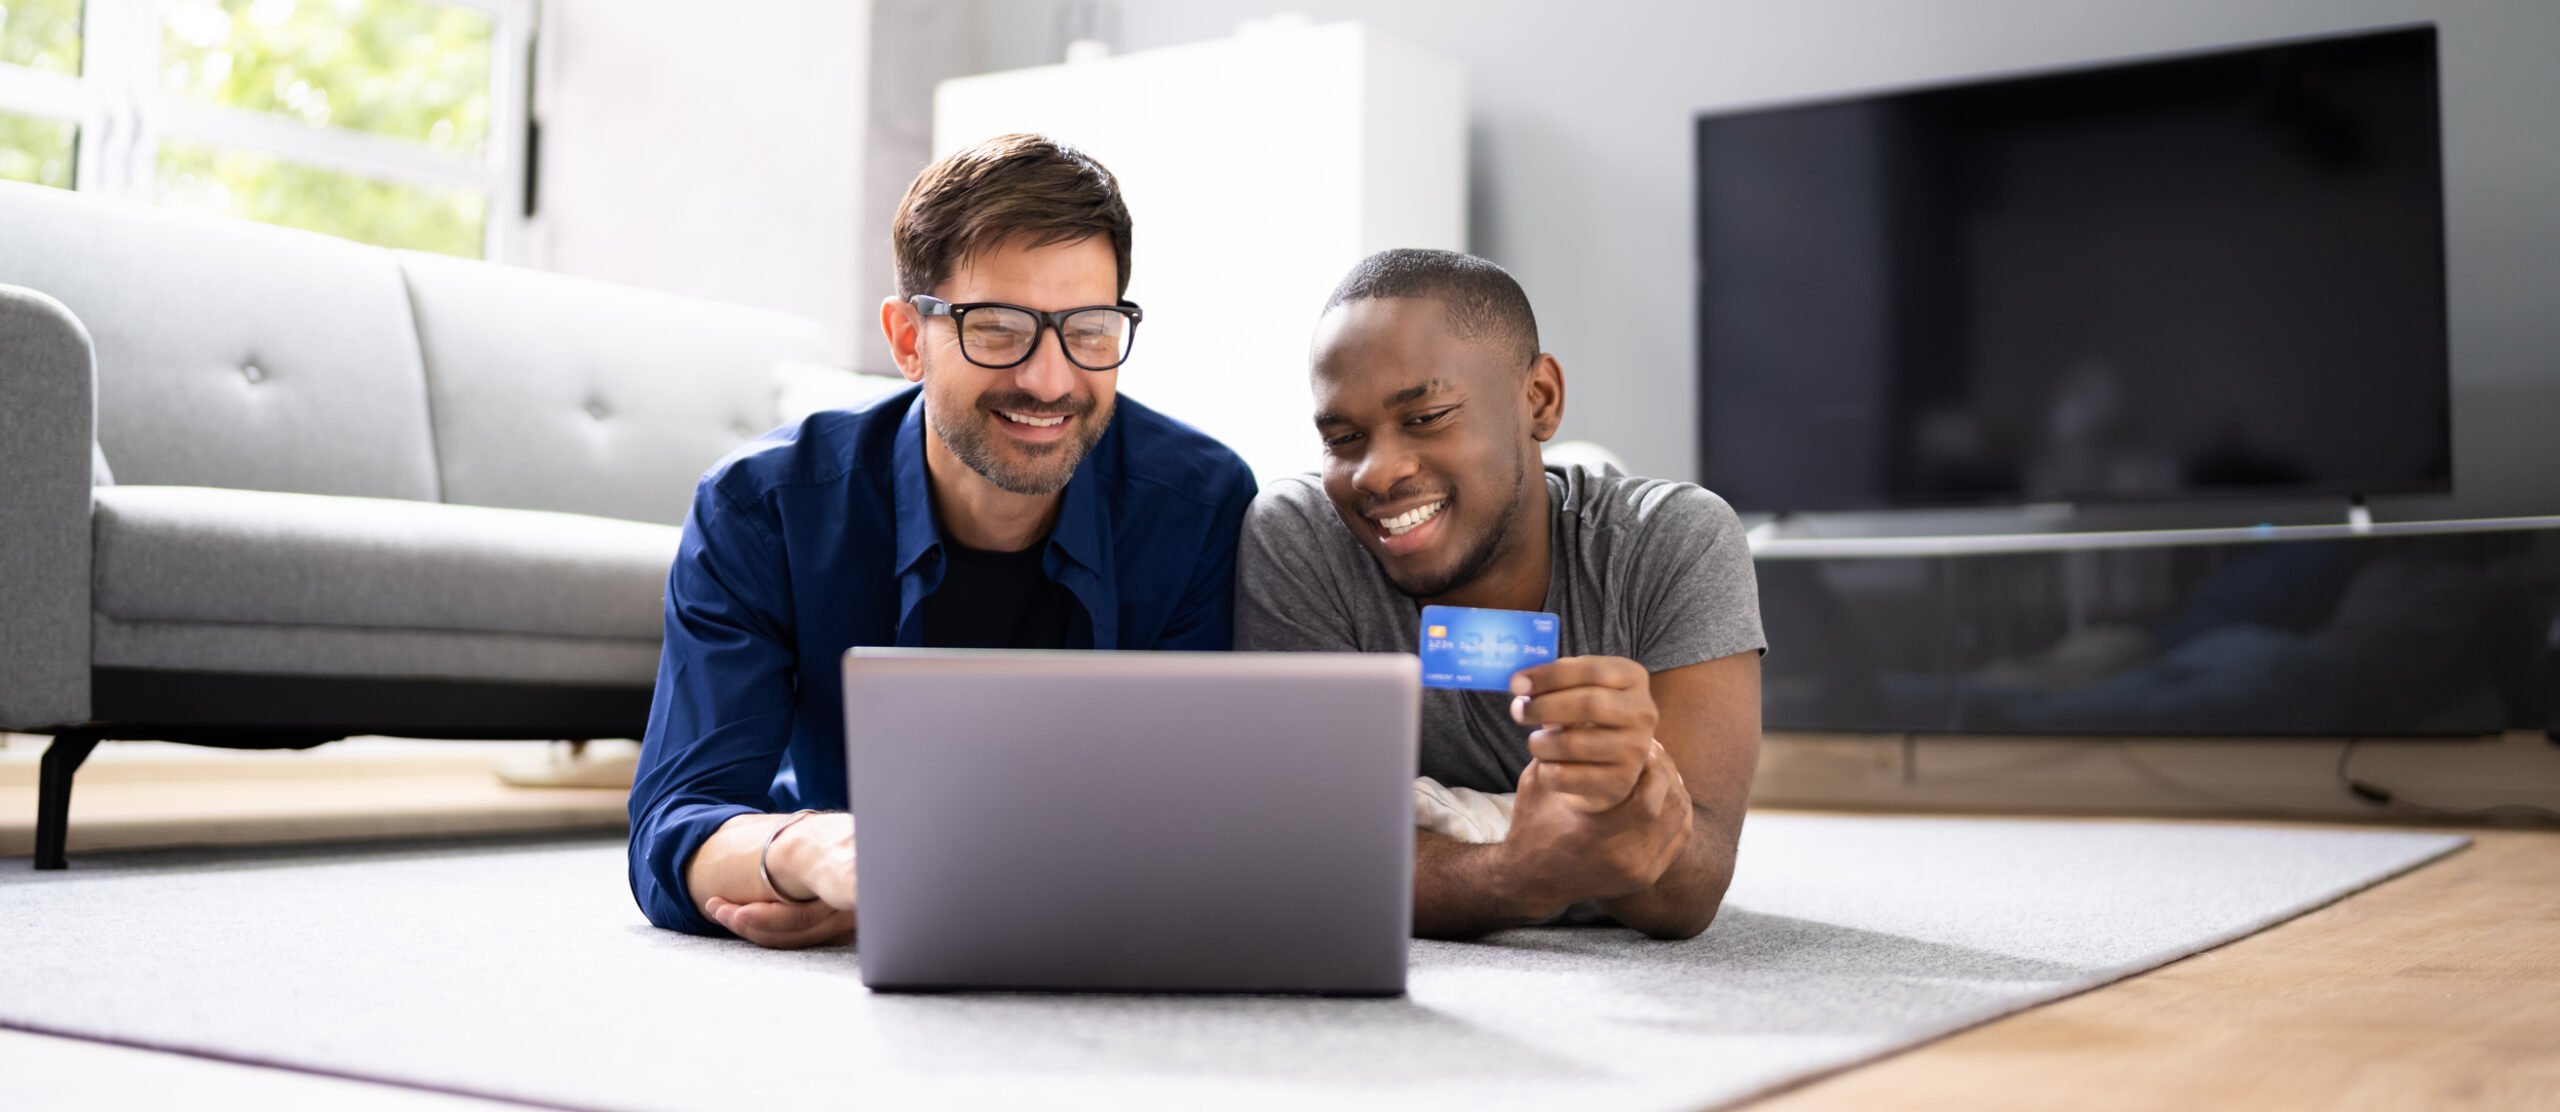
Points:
x=1257 y=169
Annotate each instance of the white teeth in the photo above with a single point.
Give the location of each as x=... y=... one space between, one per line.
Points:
x=1410 y=520
x=1034 y=422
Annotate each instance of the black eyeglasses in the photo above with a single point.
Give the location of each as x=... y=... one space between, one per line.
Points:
x=996 y=336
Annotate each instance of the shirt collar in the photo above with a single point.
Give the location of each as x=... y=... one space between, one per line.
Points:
x=911 y=492
x=1082 y=533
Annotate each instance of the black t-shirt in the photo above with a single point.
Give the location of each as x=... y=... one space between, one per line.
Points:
x=996 y=600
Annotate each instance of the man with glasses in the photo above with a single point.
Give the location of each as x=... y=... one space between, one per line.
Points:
x=1009 y=500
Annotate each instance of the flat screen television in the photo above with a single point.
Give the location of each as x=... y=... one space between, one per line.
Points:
x=2205 y=275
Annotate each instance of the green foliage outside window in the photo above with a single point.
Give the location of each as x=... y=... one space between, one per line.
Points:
x=411 y=70
x=449 y=221
x=403 y=68
x=35 y=150
x=41 y=34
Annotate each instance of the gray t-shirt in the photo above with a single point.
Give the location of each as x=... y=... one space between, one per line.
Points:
x=1647 y=569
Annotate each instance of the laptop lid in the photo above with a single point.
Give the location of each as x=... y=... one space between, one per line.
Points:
x=1133 y=821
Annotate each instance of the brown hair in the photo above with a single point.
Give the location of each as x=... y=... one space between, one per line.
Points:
x=1028 y=189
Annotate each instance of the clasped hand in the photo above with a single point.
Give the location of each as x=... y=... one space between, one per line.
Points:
x=814 y=858
x=1602 y=810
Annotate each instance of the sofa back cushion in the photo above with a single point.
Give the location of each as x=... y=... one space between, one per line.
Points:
x=232 y=354
x=559 y=393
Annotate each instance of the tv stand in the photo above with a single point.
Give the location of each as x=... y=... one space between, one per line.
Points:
x=1978 y=544
x=2305 y=630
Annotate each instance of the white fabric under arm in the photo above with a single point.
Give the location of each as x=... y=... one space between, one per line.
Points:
x=1461 y=814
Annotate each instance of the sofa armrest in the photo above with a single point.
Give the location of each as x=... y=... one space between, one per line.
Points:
x=48 y=438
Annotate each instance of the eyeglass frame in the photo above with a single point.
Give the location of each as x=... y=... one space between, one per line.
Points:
x=1042 y=324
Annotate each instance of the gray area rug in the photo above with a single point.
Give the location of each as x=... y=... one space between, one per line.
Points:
x=522 y=970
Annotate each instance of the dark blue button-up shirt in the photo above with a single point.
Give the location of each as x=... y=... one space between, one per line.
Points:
x=821 y=536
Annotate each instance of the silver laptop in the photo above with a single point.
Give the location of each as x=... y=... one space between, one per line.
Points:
x=1133 y=821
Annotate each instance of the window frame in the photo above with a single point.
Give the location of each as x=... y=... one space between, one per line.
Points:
x=124 y=116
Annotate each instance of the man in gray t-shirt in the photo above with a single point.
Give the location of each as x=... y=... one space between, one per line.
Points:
x=1631 y=755
x=1646 y=569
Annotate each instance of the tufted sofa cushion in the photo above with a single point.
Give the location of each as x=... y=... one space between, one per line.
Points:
x=232 y=354
x=314 y=458
x=556 y=393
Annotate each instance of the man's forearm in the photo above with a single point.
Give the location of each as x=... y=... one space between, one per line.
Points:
x=1684 y=901
x=1460 y=889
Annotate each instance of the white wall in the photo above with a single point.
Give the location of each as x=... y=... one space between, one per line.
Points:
x=1189 y=131
x=1581 y=171
x=711 y=150
x=915 y=45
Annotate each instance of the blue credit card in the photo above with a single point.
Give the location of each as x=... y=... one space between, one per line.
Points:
x=1478 y=650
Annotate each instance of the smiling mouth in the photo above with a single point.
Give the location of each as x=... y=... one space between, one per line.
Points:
x=1033 y=420
x=1412 y=519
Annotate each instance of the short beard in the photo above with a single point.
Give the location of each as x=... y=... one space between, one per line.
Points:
x=1051 y=465
x=1484 y=556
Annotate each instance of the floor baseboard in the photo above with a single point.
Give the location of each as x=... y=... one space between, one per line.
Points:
x=2513 y=777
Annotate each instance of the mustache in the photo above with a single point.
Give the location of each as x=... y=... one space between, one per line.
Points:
x=1016 y=401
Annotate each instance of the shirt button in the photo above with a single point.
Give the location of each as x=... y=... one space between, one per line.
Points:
x=253 y=372
x=596 y=411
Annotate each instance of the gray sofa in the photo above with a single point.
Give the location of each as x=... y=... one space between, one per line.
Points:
x=262 y=488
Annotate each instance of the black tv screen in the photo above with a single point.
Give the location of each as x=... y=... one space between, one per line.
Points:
x=2215 y=274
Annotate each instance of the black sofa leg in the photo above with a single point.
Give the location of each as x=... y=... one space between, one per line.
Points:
x=53 y=796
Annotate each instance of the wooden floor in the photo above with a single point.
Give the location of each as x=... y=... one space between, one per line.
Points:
x=135 y=795
x=2439 y=989
x=2436 y=990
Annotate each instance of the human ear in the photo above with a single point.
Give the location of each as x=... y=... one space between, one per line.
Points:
x=904 y=328
x=1544 y=388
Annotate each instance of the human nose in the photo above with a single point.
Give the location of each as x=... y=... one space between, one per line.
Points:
x=1382 y=467
x=1047 y=375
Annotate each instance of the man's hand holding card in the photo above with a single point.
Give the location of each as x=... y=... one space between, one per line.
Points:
x=1623 y=809
x=1602 y=809
x=1594 y=717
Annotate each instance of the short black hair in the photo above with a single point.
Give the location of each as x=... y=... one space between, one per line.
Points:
x=1482 y=299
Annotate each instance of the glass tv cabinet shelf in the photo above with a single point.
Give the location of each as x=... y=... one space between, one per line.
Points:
x=2403 y=629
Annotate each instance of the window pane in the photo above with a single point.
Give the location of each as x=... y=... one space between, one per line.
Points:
x=37 y=150
x=235 y=183
x=42 y=34
x=405 y=68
